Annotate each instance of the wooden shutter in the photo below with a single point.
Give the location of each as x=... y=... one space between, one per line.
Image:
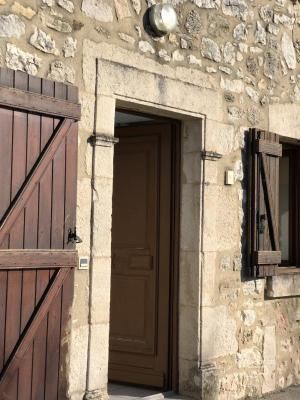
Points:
x=265 y=254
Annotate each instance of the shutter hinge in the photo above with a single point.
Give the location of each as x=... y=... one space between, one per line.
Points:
x=210 y=155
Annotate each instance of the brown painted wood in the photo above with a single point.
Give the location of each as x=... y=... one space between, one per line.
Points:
x=28 y=258
x=34 y=178
x=31 y=329
x=267 y=257
x=141 y=265
x=265 y=151
x=267 y=147
x=38 y=165
x=38 y=103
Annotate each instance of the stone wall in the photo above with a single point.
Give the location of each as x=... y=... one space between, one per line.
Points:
x=248 y=53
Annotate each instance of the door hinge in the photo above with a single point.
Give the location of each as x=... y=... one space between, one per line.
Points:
x=72 y=236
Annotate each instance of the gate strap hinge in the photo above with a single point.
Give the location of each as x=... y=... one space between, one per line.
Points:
x=100 y=139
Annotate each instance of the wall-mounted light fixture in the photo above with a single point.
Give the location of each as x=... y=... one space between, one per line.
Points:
x=163 y=19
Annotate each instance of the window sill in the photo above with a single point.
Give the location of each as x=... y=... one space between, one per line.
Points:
x=285 y=284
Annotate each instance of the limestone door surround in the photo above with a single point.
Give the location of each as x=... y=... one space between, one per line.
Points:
x=130 y=81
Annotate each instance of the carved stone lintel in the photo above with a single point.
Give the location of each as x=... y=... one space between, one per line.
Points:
x=211 y=155
x=102 y=140
x=92 y=395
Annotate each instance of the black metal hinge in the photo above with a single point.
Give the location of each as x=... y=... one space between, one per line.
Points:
x=73 y=237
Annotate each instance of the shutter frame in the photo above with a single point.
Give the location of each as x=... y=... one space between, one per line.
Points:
x=264 y=252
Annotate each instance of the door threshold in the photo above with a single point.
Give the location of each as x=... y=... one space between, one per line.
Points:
x=128 y=392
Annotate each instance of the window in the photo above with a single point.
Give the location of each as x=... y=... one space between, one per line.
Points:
x=274 y=198
x=289 y=200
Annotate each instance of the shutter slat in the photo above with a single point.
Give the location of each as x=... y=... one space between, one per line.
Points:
x=267 y=257
x=267 y=147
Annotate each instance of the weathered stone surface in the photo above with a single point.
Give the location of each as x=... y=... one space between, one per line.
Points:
x=226 y=70
x=49 y=3
x=126 y=38
x=56 y=23
x=98 y=9
x=137 y=6
x=260 y=34
x=225 y=264
x=210 y=50
x=249 y=358
x=253 y=115
x=70 y=47
x=219 y=331
x=252 y=65
x=68 y=5
x=193 y=23
x=271 y=65
x=252 y=93
x=122 y=9
x=273 y=29
x=164 y=55
x=235 y=85
x=218 y=25
x=146 y=47
x=229 y=53
x=235 y=113
x=266 y=13
x=288 y=51
x=248 y=317
x=11 y=26
x=235 y=8
x=240 y=32
x=177 y=56
x=269 y=356
x=61 y=72
x=43 y=42
x=194 y=60
x=284 y=20
x=26 y=12
x=207 y=3
x=233 y=386
x=22 y=61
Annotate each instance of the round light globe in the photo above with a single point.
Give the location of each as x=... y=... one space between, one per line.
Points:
x=163 y=18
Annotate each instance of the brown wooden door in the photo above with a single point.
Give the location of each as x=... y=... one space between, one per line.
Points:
x=38 y=174
x=139 y=331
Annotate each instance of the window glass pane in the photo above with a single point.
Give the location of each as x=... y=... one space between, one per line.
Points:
x=284 y=207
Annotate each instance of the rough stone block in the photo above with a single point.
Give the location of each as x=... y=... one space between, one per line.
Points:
x=218 y=333
x=190 y=217
x=283 y=286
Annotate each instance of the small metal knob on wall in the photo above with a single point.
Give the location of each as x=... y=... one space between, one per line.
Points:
x=72 y=236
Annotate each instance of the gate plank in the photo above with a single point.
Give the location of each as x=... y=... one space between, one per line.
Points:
x=71 y=186
x=3 y=291
x=30 y=330
x=20 y=259
x=34 y=178
x=38 y=103
x=30 y=242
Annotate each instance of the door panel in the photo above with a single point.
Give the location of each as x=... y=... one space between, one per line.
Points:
x=139 y=330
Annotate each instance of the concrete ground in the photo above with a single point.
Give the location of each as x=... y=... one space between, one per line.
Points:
x=122 y=392
x=288 y=394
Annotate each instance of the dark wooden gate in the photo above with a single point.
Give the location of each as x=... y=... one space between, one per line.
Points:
x=38 y=174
